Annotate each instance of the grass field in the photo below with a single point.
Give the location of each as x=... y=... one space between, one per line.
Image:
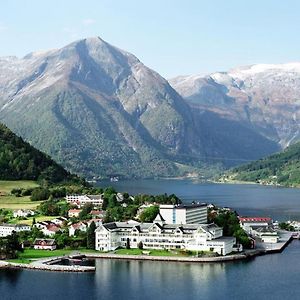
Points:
x=31 y=254
x=37 y=219
x=10 y=201
x=152 y=252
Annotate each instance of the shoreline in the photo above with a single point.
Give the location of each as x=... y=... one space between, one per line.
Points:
x=45 y=264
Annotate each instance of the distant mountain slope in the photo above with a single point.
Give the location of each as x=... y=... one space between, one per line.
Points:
x=19 y=160
x=99 y=111
x=263 y=97
x=281 y=168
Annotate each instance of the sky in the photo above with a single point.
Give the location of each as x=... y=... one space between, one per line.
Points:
x=173 y=37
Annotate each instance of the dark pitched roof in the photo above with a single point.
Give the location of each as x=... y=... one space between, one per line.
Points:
x=44 y=242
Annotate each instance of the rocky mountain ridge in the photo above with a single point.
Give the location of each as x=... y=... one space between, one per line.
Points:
x=99 y=111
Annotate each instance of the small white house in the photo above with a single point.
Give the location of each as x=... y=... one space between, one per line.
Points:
x=23 y=213
x=44 y=244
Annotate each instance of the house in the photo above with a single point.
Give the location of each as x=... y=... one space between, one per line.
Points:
x=59 y=221
x=23 y=213
x=77 y=226
x=45 y=244
x=50 y=229
x=159 y=235
x=97 y=213
x=184 y=214
x=97 y=222
x=47 y=227
x=74 y=213
x=267 y=234
x=248 y=223
x=81 y=200
x=8 y=229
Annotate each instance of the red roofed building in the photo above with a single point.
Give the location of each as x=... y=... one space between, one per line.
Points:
x=74 y=213
x=45 y=244
x=250 y=223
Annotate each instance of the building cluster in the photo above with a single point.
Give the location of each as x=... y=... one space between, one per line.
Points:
x=261 y=229
x=8 y=229
x=175 y=227
x=80 y=200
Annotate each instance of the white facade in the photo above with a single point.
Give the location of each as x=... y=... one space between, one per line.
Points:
x=184 y=214
x=194 y=237
x=7 y=229
x=81 y=200
x=23 y=213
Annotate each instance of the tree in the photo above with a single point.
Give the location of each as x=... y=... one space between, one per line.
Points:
x=128 y=243
x=87 y=208
x=140 y=245
x=90 y=237
x=149 y=214
x=33 y=221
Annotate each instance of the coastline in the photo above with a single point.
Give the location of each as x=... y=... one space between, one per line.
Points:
x=46 y=264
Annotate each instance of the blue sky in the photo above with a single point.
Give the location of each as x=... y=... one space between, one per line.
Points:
x=172 y=37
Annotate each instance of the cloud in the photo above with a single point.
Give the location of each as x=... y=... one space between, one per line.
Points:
x=88 y=22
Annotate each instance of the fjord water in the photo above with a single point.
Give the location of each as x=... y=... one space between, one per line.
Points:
x=247 y=199
x=275 y=276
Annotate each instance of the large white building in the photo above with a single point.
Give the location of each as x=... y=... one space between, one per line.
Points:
x=81 y=200
x=159 y=235
x=184 y=214
x=8 y=229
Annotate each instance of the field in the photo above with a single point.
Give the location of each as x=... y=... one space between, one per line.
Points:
x=152 y=252
x=12 y=202
x=32 y=254
x=37 y=219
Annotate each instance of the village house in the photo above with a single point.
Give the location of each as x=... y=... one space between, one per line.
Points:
x=77 y=226
x=23 y=213
x=97 y=213
x=8 y=229
x=82 y=226
x=48 y=228
x=251 y=223
x=44 y=244
x=59 y=221
x=74 y=213
x=81 y=200
x=159 y=235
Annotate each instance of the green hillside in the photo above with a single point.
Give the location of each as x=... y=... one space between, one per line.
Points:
x=19 y=160
x=282 y=168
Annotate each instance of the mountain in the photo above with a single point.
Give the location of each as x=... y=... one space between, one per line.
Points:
x=262 y=97
x=98 y=111
x=281 y=168
x=19 y=160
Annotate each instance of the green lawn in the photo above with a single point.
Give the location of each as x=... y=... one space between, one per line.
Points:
x=10 y=201
x=30 y=254
x=37 y=219
x=152 y=252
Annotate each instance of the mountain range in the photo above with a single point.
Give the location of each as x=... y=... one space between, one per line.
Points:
x=99 y=111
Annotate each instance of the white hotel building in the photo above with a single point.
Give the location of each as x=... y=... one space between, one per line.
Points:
x=159 y=235
x=81 y=200
x=184 y=214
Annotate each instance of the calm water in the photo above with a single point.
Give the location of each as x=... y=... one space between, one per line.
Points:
x=247 y=199
x=275 y=276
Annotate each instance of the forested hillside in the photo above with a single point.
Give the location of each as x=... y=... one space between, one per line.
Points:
x=281 y=168
x=19 y=160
